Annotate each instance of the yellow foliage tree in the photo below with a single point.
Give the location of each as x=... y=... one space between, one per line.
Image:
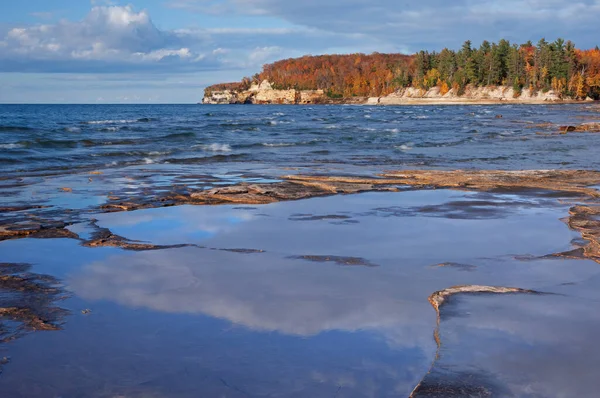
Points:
x=431 y=78
x=443 y=87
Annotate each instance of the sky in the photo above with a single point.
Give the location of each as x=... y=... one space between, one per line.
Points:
x=167 y=51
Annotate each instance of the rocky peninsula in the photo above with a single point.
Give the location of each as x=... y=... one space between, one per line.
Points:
x=264 y=93
x=494 y=73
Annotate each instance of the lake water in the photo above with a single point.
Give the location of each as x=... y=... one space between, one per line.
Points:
x=323 y=297
x=58 y=139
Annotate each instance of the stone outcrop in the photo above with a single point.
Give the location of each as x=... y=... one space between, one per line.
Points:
x=479 y=95
x=264 y=93
x=590 y=127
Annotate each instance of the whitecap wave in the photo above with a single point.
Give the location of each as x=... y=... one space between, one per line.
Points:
x=405 y=147
x=122 y=121
x=11 y=146
x=277 y=144
x=216 y=147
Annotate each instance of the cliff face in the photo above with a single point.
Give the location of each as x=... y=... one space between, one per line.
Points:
x=475 y=95
x=264 y=93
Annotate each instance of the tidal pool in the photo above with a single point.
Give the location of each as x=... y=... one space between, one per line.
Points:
x=326 y=297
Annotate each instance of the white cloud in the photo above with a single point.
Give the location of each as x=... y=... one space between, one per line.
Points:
x=158 y=55
x=115 y=34
x=115 y=39
x=263 y=54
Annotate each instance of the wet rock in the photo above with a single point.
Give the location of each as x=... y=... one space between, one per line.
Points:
x=345 y=261
x=243 y=251
x=296 y=187
x=573 y=181
x=591 y=127
x=310 y=217
x=567 y=129
x=585 y=219
x=46 y=230
x=10 y=209
x=458 y=266
x=28 y=301
x=438 y=298
x=443 y=383
x=446 y=382
x=103 y=237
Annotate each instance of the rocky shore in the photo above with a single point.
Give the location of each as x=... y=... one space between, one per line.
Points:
x=264 y=93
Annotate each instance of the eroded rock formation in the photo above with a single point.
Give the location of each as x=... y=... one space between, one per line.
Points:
x=458 y=387
x=263 y=93
x=490 y=94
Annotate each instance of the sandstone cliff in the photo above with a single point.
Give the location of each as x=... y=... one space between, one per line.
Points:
x=264 y=93
x=471 y=95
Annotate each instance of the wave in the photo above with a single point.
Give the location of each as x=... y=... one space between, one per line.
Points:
x=15 y=128
x=279 y=144
x=405 y=147
x=172 y=136
x=10 y=161
x=208 y=159
x=121 y=121
x=215 y=147
x=131 y=153
x=431 y=144
x=72 y=129
x=59 y=144
x=42 y=143
x=92 y=143
x=11 y=146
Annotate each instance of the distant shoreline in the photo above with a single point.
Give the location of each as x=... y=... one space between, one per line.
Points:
x=427 y=101
x=265 y=94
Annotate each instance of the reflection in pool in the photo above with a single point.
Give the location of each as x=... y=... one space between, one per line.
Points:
x=272 y=321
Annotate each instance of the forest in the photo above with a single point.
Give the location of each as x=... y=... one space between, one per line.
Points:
x=558 y=66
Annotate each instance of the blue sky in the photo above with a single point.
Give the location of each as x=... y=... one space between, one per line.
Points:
x=167 y=51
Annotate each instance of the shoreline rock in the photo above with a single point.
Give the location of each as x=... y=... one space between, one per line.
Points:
x=264 y=94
